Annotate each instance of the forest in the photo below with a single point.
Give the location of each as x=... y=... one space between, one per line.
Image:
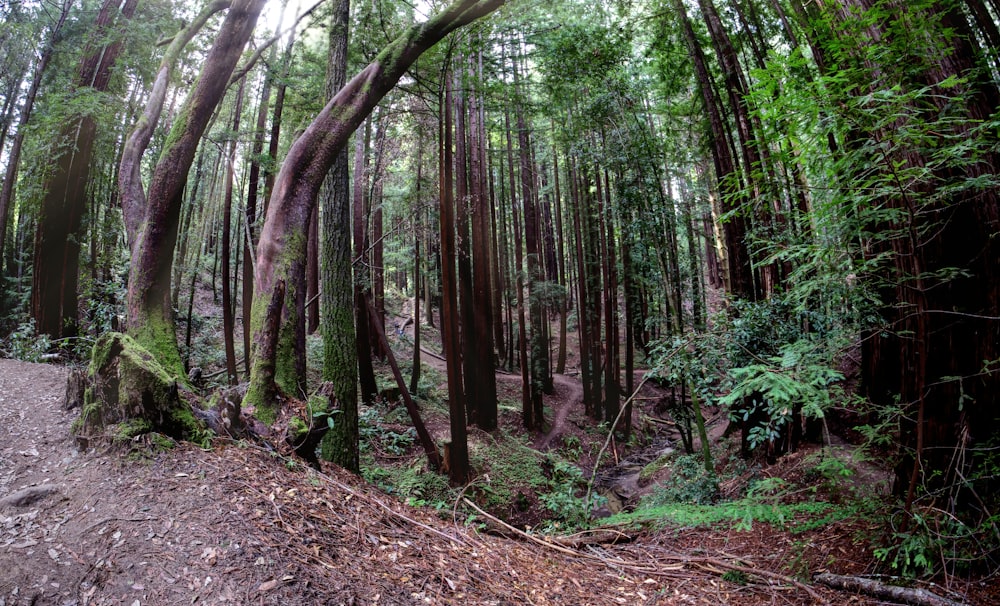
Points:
x=481 y=253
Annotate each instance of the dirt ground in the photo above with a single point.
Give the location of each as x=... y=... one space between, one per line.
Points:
x=239 y=524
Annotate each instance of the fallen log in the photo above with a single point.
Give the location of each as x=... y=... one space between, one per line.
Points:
x=877 y=589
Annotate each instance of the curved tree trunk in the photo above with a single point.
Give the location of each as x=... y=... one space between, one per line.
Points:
x=281 y=252
x=150 y=315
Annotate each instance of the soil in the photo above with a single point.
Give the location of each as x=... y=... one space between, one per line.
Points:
x=241 y=524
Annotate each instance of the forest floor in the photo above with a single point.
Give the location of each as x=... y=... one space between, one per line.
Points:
x=241 y=524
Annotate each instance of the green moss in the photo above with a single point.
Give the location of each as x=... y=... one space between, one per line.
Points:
x=158 y=337
x=128 y=429
x=178 y=129
x=297 y=429
x=161 y=442
x=89 y=410
x=650 y=470
x=188 y=427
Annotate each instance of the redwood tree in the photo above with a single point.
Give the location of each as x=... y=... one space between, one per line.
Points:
x=150 y=313
x=57 y=238
x=281 y=251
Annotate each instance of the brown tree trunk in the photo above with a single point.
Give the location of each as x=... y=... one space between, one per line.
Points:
x=340 y=354
x=150 y=315
x=539 y=349
x=14 y=155
x=480 y=332
x=130 y=188
x=740 y=273
x=228 y=320
x=281 y=252
x=55 y=277
x=457 y=451
x=363 y=323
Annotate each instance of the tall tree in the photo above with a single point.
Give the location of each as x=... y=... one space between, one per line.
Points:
x=150 y=313
x=281 y=252
x=27 y=106
x=54 y=297
x=340 y=362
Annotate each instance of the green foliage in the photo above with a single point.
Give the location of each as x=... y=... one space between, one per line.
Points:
x=936 y=542
x=688 y=483
x=23 y=344
x=506 y=466
x=563 y=499
x=777 y=385
x=373 y=435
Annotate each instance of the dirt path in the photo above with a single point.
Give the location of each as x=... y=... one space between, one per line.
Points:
x=81 y=528
x=239 y=524
x=567 y=397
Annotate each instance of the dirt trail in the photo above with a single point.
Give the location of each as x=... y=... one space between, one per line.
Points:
x=82 y=528
x=567 y=397
x=240 y=524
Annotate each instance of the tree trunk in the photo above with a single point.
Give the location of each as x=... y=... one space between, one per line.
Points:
x=740 y=272
x=281 y=251
x=14 y=155
x=55 y=277
x=363 y=341
x=340 y=355
x=457 y=453
x=150 y=315
x=228 y=321
x=130 y=189
x=480 y=332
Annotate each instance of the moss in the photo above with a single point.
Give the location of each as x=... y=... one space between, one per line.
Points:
x=128 y=429
x=158 y=337
x=650 y=470
x=297 y=429
x=89 y=410
x=161 y=442
x=179 y=128
x=188 y=427
x=265 y=410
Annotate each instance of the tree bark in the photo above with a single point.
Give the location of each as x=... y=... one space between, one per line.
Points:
x=740 y=273
x=483 y=355
x=340 y=357
x=228 y=320
x=14 y=155
x=55 y=277
x=130 y=188
x=457 y=453
x=281 y=250
x=150 y=315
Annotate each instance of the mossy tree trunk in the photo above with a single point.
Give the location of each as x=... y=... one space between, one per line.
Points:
x=340 y=362
x=281 y=252
x=150 y=314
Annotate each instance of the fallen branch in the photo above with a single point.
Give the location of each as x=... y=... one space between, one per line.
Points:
x=877 y=589
x=704 y=562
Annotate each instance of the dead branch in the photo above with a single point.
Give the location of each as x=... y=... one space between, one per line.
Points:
x=877 y=589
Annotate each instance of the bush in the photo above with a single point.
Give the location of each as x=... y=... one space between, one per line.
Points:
x=23 y=344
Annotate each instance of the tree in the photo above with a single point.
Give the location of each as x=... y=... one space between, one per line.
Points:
x=149 y=310
x=281 y=252
x=57 y=237
x=27 y=106
x=340 y=363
